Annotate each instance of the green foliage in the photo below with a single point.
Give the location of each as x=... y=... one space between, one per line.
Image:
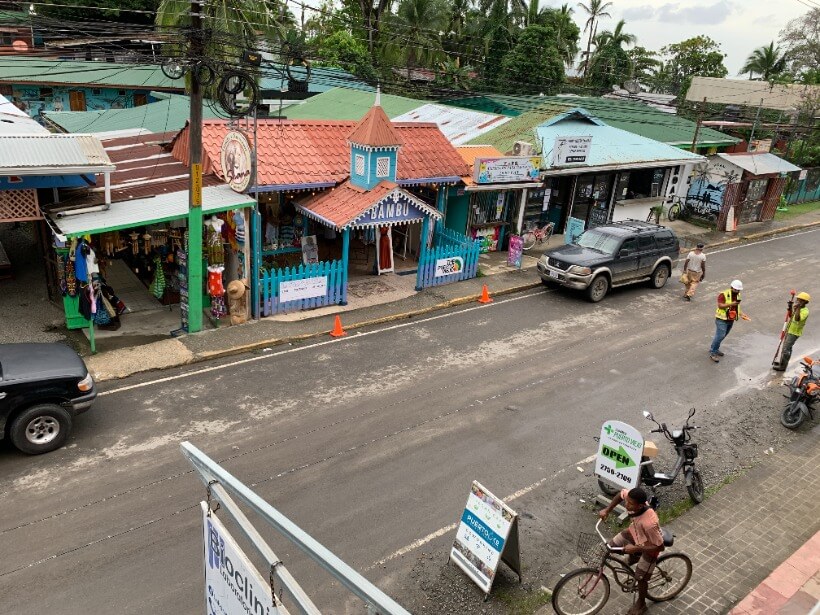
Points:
x=610 y=65
x=110 y=10
x=645 y=64
x=416 y=28
x=534 y=65
x=698 y=56
x=567 y=32
x=341 y=50
x=801 y=41
x=767 y=62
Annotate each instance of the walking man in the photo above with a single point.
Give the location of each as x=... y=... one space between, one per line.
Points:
x=728 y=311
x=694 y=267
x=642 y=541
x=799 y=313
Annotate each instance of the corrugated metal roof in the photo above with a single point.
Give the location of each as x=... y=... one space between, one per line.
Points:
x=152 y=210
x=611 y=147
x=97 y=74
x=36 y=154
x=761 y=163
x=470 y=152
x=9 y=108
x=458 y=125
x=346 y=104
x=165 y=115
x=782 y=96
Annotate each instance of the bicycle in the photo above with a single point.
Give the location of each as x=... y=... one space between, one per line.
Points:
x=585 y=591
x=536 y=235
x=692 y=207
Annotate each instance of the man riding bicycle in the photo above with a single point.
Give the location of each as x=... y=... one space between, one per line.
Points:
x=642 y=540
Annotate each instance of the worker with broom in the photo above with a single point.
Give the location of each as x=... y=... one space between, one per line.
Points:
x=797 y=313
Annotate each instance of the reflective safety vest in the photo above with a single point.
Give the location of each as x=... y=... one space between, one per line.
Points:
x=728 y=313
x=796 y=327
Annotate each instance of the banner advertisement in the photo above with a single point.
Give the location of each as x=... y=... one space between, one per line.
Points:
x=507 y=169
x=449 y=266
x=516 y=251
x=619 y=454
x=570 y=150
x=233 y=586
x=487 y=533
x=306 y=288
x=574 y=229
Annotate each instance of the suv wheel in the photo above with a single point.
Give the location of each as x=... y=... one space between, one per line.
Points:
x=598 y=289
x=40 y=429
x=660 y=276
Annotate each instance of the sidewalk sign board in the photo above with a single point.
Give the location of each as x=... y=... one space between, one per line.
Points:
x=515 y=251
x=486 y=535
x=619 y=454
x=233 y=585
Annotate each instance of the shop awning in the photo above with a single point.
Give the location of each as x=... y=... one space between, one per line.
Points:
x=151 y=210
x=348 y=206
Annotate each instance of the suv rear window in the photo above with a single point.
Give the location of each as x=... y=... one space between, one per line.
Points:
x=665 y=240
x=646 y=242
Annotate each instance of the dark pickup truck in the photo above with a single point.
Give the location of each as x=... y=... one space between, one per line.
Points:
x=613 y=255
x=42 y=388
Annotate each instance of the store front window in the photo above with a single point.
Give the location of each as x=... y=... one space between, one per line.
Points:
x=591 y=202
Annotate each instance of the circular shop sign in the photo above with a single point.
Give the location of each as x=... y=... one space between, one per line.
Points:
x=235 y=158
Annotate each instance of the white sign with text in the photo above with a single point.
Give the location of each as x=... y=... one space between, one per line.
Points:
x=306 y=288
x=570 y=150
x=619 y=454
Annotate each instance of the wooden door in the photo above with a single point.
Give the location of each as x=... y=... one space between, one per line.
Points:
x=140 y=99
x=76 y=100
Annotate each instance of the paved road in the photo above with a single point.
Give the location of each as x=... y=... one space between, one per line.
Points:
x=370 y=442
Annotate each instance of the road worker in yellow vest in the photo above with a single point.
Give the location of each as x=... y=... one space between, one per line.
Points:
x=799 y=315
x=728 y=311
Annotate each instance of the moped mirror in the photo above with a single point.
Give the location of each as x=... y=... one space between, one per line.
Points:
x=648 y=415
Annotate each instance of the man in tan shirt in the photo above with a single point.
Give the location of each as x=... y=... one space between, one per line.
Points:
x=642 y=540
x=695 y=269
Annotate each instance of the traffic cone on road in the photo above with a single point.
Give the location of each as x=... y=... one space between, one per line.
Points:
x=485 y=295
x=337 y=329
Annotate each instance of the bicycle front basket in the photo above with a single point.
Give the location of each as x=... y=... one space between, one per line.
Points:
x=590 y=549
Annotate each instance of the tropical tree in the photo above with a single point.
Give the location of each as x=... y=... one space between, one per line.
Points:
x=595 y=10
x=534 y=65
x=698 y=56
x=610 y=63
x=567 y=32
x=417 y=26
x=766 y=61
x=645 y=64
x=341 y=50
x=801 y=42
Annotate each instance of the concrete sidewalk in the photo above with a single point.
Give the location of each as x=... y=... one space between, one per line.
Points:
x=267 y=332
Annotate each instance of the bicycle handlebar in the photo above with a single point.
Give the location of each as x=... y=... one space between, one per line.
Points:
x=604 y=540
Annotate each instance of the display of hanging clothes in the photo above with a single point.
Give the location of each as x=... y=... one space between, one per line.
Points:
x=157 y=286
x=385 y=252
x=70 y=278
x=80 y=259
x=216 y=290
x=61 y=275
x=216 y=251
x=239 y=221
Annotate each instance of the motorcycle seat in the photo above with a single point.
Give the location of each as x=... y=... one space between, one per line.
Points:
x=668 y=537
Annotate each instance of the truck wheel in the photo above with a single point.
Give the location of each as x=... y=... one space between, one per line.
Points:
x=40 y=429
x=598 y=288
x=659 y=276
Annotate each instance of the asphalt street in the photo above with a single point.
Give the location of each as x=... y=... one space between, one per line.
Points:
x=370 y=442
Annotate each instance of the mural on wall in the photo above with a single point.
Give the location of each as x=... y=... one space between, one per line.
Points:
x=708 y=186
x=35 y=99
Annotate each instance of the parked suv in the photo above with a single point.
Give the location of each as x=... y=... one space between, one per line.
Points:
x=42 y=388
x=612 y=255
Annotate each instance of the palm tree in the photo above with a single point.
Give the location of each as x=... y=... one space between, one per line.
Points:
x=767 y=61
x=595 y=11
x=616 y=37
x=418 y=21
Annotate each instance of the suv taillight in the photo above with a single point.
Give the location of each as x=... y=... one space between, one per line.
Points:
x=86 y=384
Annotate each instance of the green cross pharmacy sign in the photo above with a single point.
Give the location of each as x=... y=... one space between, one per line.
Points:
x=619 y=454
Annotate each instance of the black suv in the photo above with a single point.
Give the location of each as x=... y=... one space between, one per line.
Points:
x=42 y=388
x=612 y=255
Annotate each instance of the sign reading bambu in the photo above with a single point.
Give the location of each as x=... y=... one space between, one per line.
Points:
x=233 y=586
x=619 y=454
x=486 y=535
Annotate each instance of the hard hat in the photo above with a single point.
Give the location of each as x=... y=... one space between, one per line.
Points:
x=804 y=296
x=737 y=285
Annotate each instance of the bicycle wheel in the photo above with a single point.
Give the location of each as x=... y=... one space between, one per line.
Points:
x=674 y=212
x=672 y=573
x=581 y=592
x=528 y=240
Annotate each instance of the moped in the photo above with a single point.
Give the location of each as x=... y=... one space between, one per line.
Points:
x=687 y=452
x=804 y=389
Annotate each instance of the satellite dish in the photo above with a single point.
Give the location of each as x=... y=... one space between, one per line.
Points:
x=632 y=86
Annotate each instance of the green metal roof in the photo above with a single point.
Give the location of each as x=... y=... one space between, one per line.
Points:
x=322 y=79
x=95 y=74
x=346 y=104
x=637 y=118
x=168 y=114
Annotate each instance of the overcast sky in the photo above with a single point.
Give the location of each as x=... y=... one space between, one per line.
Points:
x=739 y=26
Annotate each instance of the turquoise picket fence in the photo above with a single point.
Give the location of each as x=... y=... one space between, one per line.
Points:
x=271 y=280
x=447 y=244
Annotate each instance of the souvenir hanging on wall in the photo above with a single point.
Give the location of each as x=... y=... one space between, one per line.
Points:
x=157 y=286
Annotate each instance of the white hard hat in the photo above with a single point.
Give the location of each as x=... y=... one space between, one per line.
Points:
x=737 y=284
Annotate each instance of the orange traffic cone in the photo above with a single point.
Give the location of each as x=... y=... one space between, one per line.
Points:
x=485 y=295
x=337 y=329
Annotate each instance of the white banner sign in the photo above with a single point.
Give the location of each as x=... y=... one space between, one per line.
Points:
x=233 y=586
x=507 y=169
x=570 y=150
x=481 y=536
x=306 y=288
x=619 y=454
x=449 y=266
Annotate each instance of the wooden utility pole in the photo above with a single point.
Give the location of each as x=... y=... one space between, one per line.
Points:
x=701 y=107
x=754 y=126
x=195 y=284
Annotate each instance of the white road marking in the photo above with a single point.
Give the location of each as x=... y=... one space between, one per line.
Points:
x=754 y=243
x=360 y=334
x=587 y=460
